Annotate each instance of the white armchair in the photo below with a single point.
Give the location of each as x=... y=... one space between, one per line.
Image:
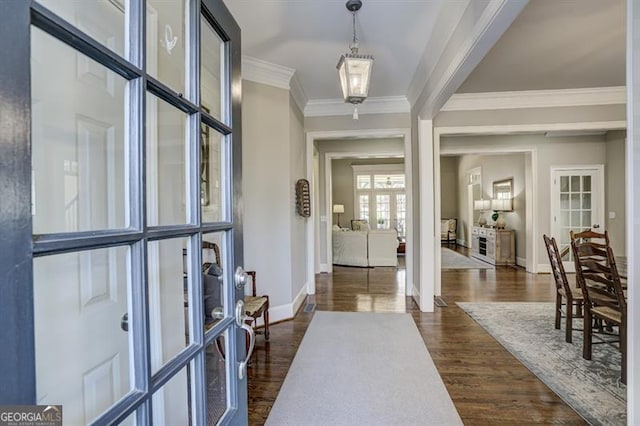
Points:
x=448 y=229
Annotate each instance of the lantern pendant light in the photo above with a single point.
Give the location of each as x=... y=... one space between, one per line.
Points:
x=355 y=69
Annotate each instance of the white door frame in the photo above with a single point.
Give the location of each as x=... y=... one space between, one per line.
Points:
x=314 y=222
x=532 y=226
x=531 y=201
x=328 y=195
x=599 y=168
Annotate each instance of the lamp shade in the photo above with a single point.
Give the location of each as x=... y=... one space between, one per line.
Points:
x=482 y=205
x=338 y=208
x=503 y=205
x=355 y=74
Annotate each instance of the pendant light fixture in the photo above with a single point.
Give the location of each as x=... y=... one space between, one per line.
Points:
x=355 y=69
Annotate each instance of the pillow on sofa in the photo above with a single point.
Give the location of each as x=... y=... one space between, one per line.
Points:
x=359 y=225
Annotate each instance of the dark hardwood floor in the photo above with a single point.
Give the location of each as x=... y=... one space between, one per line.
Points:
x=486 y=383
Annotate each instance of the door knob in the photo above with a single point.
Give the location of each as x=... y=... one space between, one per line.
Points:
x=240 y=278
x=124 y=322
x=596 y=226
x=217 y=313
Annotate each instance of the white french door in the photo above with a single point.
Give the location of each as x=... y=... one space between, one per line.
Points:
x=577 y=204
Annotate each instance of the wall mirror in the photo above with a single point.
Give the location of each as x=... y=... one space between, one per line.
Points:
x=503 y=189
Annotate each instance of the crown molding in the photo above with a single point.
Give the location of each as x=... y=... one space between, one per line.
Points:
x=298 y=93
x=536 y=99
x=381 y=105
x=267 y=73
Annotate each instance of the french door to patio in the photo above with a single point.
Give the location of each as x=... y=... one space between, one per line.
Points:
x=121 y=153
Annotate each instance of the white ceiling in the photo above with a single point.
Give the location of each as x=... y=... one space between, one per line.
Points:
x=310 y=35
x=556 y=44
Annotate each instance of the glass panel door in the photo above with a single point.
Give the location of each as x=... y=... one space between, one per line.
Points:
x=577 y=205
x=129 y=179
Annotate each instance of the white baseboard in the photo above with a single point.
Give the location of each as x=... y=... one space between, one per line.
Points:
x=299 y=299
x=287 y=311
x=416 y=295
x=325 y=268
x=544 y=268
x=521 y=261
x=463 y=243
x=409 y=287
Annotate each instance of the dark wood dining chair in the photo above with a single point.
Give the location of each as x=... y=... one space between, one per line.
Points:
x=604 y=299
x=569 y=296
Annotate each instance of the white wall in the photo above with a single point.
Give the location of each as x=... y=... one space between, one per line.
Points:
x=449 y=188
x=297 y=171
x=494 y=167
x=615 y=196
x=575 y=150
x=273 y=159
x=342 y=180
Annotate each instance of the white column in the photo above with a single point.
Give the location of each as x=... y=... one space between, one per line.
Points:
x=426 y=184
x=633 y=208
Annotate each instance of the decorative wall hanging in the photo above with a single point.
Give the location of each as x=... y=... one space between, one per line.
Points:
x=303 y=198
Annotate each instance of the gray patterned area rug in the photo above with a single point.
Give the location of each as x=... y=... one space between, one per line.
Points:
x=592 y=388
x=453 y=260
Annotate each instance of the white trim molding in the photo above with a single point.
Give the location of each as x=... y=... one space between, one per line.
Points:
x=267 y=73
x=536 y=99
x=298 y=93
x=510 y=129
x=381 y=105
x=287 y=311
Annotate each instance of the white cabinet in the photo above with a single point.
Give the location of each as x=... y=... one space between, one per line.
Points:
x=495 y=246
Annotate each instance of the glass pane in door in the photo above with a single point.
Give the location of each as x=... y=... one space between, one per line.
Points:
x=383 y=211
x=168 y=299
x=213 y=262
x=401 y=214
x=78 y=154
x=363 y=201
x=212 y=182
x=82 y=344
x=213 y=79
x=167 y=41
x=172 y=402
x=166 y=164
x=103 y=20
x=217 y=401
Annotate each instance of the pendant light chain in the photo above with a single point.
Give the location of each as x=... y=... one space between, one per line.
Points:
x=354 y=44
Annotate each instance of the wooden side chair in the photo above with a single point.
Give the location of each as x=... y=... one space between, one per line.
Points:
x=564 y=291
x=257 y=306
x=604 y=299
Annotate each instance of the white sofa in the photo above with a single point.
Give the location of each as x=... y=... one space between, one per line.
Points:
x=383 y=247
x=365 y=248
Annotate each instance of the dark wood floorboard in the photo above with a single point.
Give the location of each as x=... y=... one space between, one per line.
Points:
x=486 y=383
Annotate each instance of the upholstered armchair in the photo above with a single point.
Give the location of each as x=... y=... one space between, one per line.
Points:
x=448 y=228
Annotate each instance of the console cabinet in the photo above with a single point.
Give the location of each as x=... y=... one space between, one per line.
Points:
x=495 y=246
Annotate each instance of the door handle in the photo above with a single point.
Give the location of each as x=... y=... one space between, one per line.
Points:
x=240 y=322
x=240 y=278
x=596 y=226
x=242 y=368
